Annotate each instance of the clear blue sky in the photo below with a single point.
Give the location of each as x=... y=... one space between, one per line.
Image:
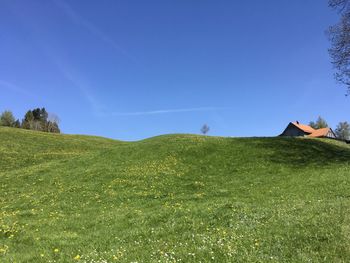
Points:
x=134 y=69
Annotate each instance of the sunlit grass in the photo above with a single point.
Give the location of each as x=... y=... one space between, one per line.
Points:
x=175 y=198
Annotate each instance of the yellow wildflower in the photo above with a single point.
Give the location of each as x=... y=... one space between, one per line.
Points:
x=77 y=257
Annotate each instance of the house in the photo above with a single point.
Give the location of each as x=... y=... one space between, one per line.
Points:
x=298 y=129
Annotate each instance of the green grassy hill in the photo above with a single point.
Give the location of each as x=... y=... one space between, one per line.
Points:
x=173 y=198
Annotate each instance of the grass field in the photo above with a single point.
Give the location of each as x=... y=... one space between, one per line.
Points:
x=173 y=198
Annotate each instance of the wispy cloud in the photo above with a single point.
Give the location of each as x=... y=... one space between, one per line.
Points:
x=166 y=111
x=58 y=58
x=14 y=88
x=77 y=80
x=78 y=19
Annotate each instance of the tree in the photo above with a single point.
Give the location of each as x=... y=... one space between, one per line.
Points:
x=205 y=129
x=17 y=124
x=40 y=119
x=53 y=127
x=28 y=121
x=7 y=119
x=320 y=123
x=40 y=115
x=343 y=131
x=52 y=123
x=339 y=36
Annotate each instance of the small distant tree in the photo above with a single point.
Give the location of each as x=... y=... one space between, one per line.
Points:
x=52 y=123
x=28 y=121
x=205 y=129
x=40 y=119
x=343 y=131
x=320 y=123
x=7 y=119
x=17 y=124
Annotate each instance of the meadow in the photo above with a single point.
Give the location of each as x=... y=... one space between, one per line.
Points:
x=173 y=198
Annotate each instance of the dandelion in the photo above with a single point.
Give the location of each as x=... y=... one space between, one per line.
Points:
x=77 y=257
x=56 y=250
x=4 y=249
x=256 y=242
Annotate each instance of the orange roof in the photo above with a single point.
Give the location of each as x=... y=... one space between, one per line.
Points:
x=304 y=127
x=320 y=132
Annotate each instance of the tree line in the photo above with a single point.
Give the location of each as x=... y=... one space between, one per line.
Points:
x=36 y=119
x=342 y=130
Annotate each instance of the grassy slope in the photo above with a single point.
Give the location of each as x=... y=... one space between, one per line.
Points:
x=172 y=198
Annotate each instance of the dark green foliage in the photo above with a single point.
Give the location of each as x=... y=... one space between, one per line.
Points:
x=174 y=198
x=7 y=119
x=28 y=120
x=343 y=131
x=40 y=115
x=37 y=119
x=320 y=123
